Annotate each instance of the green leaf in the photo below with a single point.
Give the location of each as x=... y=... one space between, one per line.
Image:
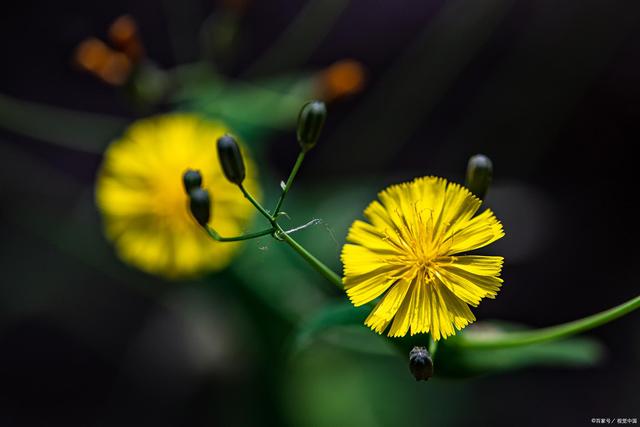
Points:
x=285 y=284
x=336 y=324
x=76 y=130
x=331 y=316
x=455 y=361
x=251 y=109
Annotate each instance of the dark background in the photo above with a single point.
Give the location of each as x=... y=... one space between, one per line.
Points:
x=548 y=89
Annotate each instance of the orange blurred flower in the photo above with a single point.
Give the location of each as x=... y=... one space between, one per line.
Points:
x=109 y=65
x=113 y=66
x=342 y=78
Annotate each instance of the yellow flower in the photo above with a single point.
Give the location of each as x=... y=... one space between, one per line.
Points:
x=140 y=193
x=409 y=252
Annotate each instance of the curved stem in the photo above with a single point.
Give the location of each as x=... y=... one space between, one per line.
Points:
x=319 y=266
x=214 y=234
x=292 y=176
x=515 y=339
x=258 y=206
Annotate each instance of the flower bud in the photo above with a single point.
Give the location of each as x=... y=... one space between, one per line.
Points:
x=231 y=159
x=479 y=175
x=200 y=205
x=420 y=363
x=310 y=122
x=191 y=179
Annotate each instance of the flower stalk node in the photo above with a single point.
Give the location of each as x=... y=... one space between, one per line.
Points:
x=279 y=235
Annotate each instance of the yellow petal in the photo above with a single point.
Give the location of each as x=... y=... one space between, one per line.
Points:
x=458 y=207
x=361 y=260
x=469 y=287
x=474 y=234
x=420 y=320
x=482 y=265
x=367 y=287
x=381 y=315
x=402 y=319
x=458 y=312
x=370 y=237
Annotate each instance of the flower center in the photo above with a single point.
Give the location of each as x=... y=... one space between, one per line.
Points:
x=422 y=242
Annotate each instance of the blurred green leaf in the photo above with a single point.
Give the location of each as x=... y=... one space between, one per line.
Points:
x=342 y=325
x=81 y=131
x=251 y=109
x=451 y=361
x=457 y=362
x=287 y=285
x=328 y=386
x=331 y=316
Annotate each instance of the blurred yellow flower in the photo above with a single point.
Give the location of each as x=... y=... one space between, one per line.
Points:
x=145 y=210
x=408 y=252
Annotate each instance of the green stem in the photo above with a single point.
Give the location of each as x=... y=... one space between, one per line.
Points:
x=292 y=176
x=280 y=234
x=318 y=265
x=433 y=347
x=515 y=339
x=258 y=206
x=214 y=234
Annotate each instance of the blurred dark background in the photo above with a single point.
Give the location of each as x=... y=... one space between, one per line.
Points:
x=548 y=89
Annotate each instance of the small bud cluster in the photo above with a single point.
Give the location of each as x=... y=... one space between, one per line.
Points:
x=310 y=123
x=199 y=200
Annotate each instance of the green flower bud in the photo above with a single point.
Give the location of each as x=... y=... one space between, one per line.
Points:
x=420 y=363
x=310 y=122
x=191 y=179
x=479 y=175
x=200 y=205
x=231 y=159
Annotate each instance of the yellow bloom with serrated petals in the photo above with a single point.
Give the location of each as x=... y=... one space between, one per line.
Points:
x=409 y=254
x=145 y=211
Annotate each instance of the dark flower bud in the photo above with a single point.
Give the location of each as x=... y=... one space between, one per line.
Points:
x=231 y=159
x=200 y=205
x=479 y=175
x=310 y=122
x=191 y=179
x=420 y=363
